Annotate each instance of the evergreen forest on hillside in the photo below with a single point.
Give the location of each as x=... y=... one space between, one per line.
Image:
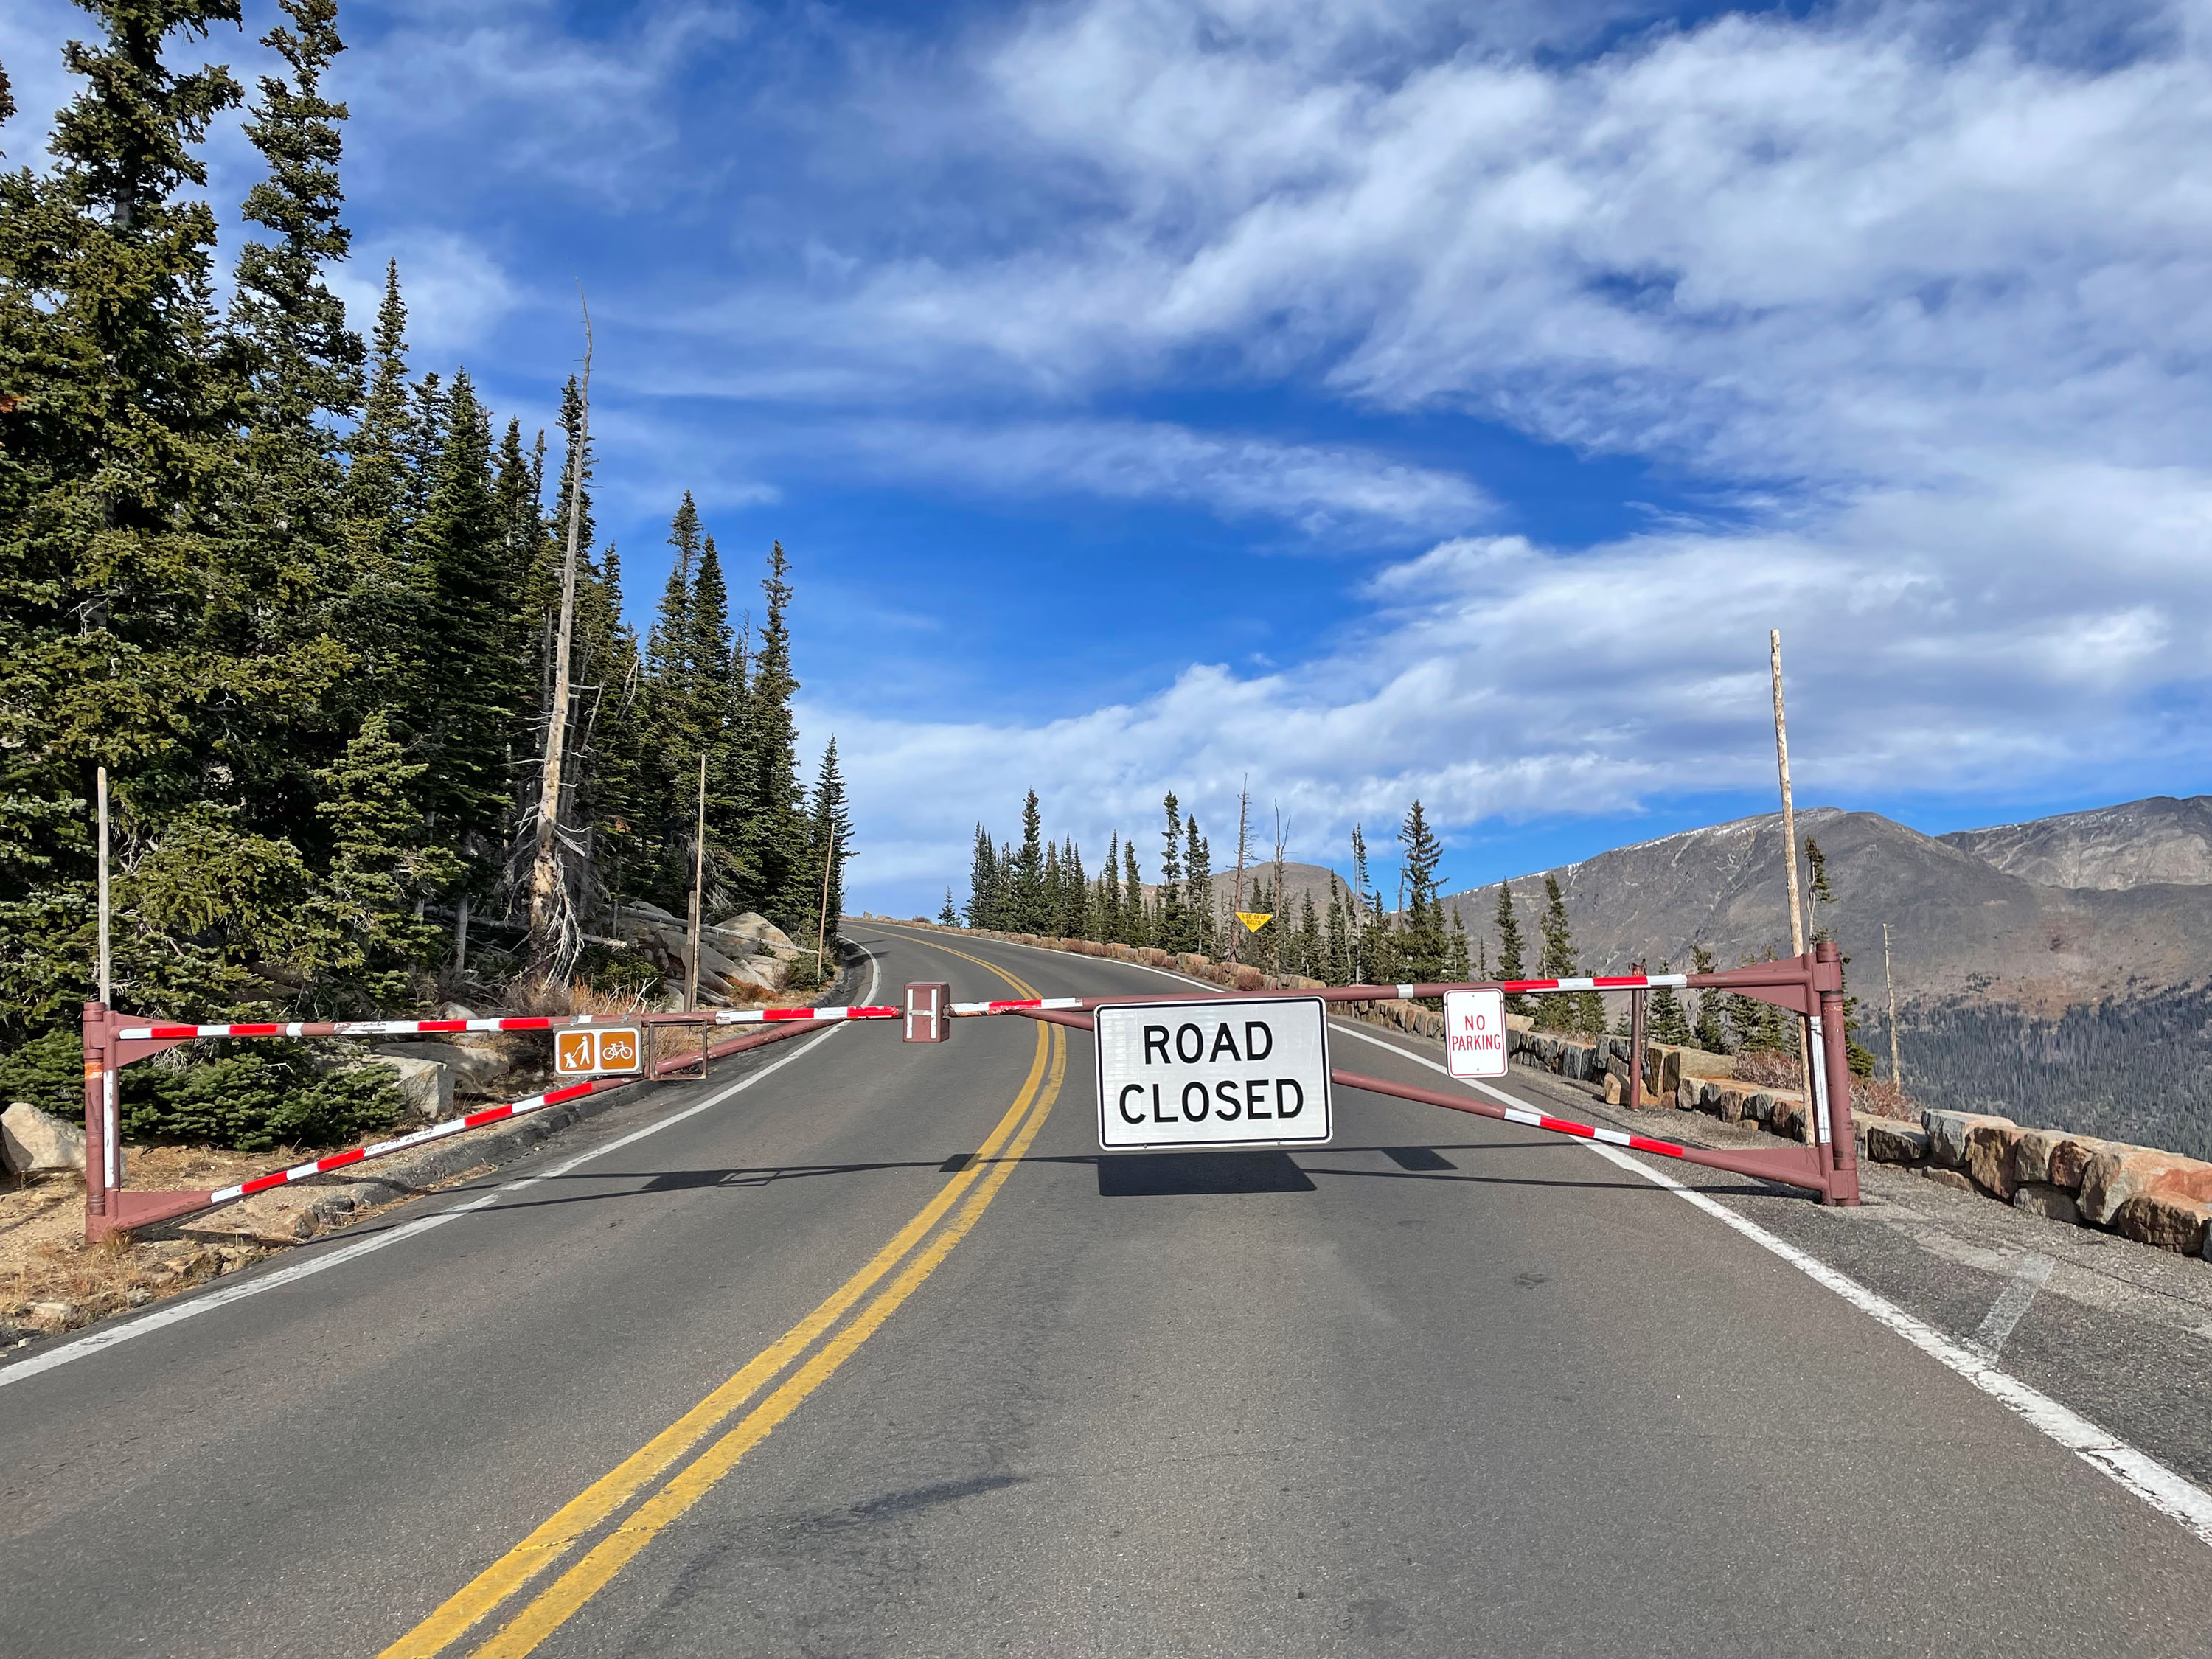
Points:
x=298 y=596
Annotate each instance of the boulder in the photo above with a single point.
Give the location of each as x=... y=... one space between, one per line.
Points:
x=2165 y=1221
x=1989 y=1157
x=1950 y=1178
x=2118 y=1174
x=1890 y=1140
x=476 y=1070
x=2069 y=1159
x=1947 y=1134
x=284 y=1215
x=2052 y=1203
x=1784 y=1115
x=2031 y=1155
x=427 y=1085
x=33 y=1142
x=1698 y=1062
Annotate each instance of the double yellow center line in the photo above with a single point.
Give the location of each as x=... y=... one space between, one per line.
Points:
x=593 y=1508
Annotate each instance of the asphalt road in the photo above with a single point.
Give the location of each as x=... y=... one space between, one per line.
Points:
x=801 y=1373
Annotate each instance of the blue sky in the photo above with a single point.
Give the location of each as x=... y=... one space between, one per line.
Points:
x=1381 y=400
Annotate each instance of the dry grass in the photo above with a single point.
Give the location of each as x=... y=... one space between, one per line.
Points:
x=52 y=1280
x=1777 y=1068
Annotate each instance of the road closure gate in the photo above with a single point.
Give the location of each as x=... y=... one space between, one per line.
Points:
x=1294 y=1072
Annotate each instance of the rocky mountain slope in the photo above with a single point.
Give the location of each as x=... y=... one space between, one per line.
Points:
x=2160 y=840
x=1959 y=924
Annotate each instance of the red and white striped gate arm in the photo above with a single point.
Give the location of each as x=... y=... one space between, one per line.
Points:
x=421 y=1137
x=376 y=1027
x=1349 y=993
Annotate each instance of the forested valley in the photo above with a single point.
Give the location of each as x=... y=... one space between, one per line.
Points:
x=299 y=594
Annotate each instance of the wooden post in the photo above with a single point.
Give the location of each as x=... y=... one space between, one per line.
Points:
x=1237 y=893
x=106 y=961
x=545 y=879
x=698 y=889
x=1896 y=1070
x=1790 y=855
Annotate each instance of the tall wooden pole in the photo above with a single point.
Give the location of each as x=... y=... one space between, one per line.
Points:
x=106 y=962
x=698 y=887
x=1789 y=856
x=1237 y=897
x=545 y=882
x=822 y=928
x=1896 y=1071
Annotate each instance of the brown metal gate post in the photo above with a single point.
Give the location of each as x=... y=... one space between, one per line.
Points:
x=1636 y=1046
x=1836 y=1058
x=97 y=1064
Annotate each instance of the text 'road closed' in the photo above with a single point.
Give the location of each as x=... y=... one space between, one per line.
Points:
x=1222 y=1073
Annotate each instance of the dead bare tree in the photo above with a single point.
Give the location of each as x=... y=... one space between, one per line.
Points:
x=1236 y=899
x=549 y=909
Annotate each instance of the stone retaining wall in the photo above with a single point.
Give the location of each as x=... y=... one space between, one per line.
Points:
x=2155 y=1197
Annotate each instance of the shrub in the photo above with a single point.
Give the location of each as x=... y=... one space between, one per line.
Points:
x=260 y=1098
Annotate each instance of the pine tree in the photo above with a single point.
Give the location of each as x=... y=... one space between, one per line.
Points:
x=771 y=828
x=1075 y=893
x=1338 y=968
x=1512 y=962
x=363 y=937
x=383 y=610
x=832 y=839
x=1425 y=942
x=1457 y=968
x=1051 y=893
x=1168 y=928
x=1026 y=898
x=1108 y=916
x=1198 y=889
x=1711 y=1029
x=1312 y=961
x=1666 y=1022
x=1557 y=1012
x=983 y=899
x=465 y=704
x=948 y=917
x=114 y=464
x=1133 y=928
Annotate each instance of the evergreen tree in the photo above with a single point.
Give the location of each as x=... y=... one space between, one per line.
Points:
x=1108 y=916
x=983 y=898
x=1666 y=1022
x=1052 y=894
x=1169 y=928
x=363 y=937
x=1338 y=968
x=773 y=739
x=832 y=842
x=1711 y=1030
x=116 y=452
x=1311 y=959
x=948 y=917
x=1425 y=944
x=1512 y=962
x=465 y=706
x=1075 y=891
x=1557 y=1011
x=1133 y=928
x=1198 y=889
x=1457 y=968
x=383 y=609
x=1026 y=900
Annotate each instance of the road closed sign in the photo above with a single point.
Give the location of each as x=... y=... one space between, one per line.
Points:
x=596 y=1049
x=1221 y=1072
x=1474 y=1033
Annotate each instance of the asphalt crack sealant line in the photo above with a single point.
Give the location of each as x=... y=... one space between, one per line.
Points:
x=177 y=1312
x=2170 y=1493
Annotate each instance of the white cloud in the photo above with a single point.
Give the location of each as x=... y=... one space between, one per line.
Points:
x=1317 y=487
x=456 y=292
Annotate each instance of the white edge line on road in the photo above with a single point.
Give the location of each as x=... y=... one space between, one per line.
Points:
x=190 y=1308
x=2140 y=1473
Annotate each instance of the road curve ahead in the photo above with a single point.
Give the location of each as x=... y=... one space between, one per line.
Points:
x=873 y=1353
